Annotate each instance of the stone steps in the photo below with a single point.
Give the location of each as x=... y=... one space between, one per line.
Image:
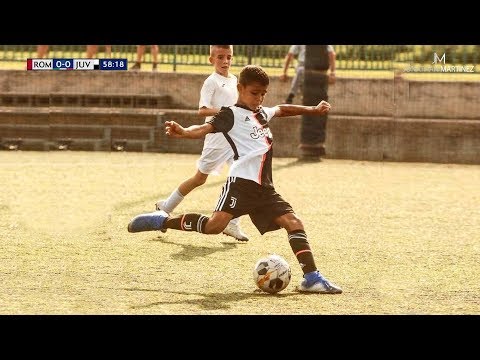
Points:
x=86 y=100
x=80 y=128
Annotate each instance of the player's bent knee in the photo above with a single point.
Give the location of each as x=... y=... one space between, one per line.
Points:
x=295 y=224
x=199 y=180
x=290 y=222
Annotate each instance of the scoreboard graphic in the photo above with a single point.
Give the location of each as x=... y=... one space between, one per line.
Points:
x=77 y=64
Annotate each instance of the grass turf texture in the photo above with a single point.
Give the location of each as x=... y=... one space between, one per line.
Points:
x=399 y=238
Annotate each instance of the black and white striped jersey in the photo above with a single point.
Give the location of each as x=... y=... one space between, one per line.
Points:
x=248 y=134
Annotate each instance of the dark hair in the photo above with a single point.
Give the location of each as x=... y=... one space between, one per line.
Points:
x=253 y=74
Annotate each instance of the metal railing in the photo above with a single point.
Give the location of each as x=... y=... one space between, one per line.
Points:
x=349 y=57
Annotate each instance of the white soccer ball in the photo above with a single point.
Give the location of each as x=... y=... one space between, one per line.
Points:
x=272 y=273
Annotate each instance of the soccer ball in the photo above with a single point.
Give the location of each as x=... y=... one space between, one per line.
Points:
x=272 y=273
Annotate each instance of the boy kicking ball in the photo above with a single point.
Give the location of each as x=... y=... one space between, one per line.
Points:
x=249 y=187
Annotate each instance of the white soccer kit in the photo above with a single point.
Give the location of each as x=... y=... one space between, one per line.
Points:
x=217 y=91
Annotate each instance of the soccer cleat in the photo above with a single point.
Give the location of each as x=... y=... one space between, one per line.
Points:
x=314 y=282
x=235 y=231
x=148 y=222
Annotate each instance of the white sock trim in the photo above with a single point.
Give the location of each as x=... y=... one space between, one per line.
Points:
x=173 y=201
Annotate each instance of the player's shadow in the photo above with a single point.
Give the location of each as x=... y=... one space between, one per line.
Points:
x=211 y=184
x=211 y=301
x=219 y=183
x=190 y=252
x=293 y=163
x=129 y=204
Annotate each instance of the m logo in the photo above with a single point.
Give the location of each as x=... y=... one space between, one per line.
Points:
x=247 y=118
x=436 y=59
x=233 y=203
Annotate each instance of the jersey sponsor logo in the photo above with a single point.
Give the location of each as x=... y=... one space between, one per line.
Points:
x=260 y=133
x=233 y=203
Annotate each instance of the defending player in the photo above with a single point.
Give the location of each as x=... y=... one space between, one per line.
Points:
x=219 y=89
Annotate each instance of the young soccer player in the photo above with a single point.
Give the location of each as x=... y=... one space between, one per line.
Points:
x=219 y=89
x=249 y=188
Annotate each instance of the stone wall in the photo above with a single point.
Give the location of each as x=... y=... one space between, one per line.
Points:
x=363 y=138
x=371 y=119
x=359 y=97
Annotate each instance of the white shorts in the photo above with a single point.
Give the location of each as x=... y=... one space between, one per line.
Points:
x=213 y=159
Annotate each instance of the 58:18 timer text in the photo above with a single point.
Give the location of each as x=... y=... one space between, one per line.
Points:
x=113 y=64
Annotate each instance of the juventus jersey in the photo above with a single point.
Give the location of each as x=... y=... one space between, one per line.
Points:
x=248 y=134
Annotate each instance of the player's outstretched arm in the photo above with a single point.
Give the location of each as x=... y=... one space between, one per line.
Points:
x=176 y=130
x=204 y=111
x=292 y=110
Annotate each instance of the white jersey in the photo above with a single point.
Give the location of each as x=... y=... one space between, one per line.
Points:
x=250 y=138
x=299 y=51
x=217 y=91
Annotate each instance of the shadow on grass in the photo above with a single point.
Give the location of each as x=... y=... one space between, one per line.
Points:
x=294 y=163
x=214 y=184
x=190 y=252
x=212 y=301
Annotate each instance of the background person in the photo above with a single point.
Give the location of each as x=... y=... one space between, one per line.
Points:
x=141 y=52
